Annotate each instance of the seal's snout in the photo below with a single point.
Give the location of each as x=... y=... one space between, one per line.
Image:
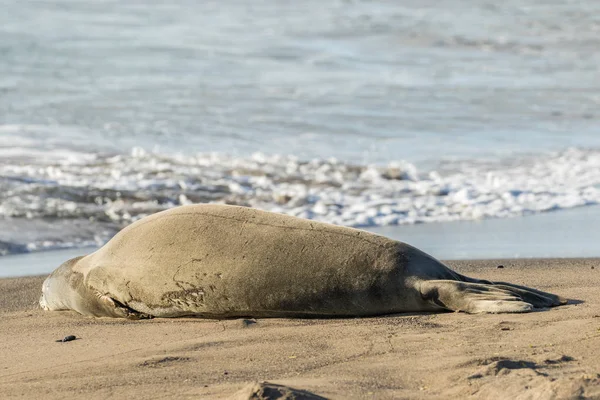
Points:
x=43 y=303
x=56 y=289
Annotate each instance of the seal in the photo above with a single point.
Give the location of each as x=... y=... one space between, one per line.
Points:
x=220 y=261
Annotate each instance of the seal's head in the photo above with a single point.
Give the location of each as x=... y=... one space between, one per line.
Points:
x=67 y=288
x=60 y=290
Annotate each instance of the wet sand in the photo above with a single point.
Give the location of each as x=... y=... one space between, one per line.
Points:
x=548 y=354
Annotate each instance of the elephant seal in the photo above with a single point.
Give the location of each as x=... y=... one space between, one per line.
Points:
x=220 y=261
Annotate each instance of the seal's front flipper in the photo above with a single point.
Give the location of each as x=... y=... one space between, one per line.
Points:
x=472 y=298
x=113 y=308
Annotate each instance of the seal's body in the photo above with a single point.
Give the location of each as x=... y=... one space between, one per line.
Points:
x=219 y=261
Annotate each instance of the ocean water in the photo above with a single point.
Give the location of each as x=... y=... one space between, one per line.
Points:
x=371 y=114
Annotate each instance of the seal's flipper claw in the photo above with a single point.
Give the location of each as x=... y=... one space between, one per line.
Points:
x=471 y=297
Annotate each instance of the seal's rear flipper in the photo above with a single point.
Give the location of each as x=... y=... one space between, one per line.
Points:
x=527 y=293
x=477 y=298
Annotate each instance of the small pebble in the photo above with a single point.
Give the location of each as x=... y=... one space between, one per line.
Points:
x=67 y=338
x=248 y=322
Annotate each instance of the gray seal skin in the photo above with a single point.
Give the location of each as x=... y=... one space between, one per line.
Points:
x=219 y=261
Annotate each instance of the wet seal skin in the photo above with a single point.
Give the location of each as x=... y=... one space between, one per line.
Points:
x=220 y=261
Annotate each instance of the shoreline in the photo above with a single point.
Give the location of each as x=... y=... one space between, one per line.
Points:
x=554 y=352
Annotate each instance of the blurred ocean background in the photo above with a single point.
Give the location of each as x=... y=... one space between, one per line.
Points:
x=470 y=129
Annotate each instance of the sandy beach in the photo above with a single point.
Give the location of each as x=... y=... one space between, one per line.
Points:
x=549 y=354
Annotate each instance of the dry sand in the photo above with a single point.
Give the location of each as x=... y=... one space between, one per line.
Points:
x=541 y=355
